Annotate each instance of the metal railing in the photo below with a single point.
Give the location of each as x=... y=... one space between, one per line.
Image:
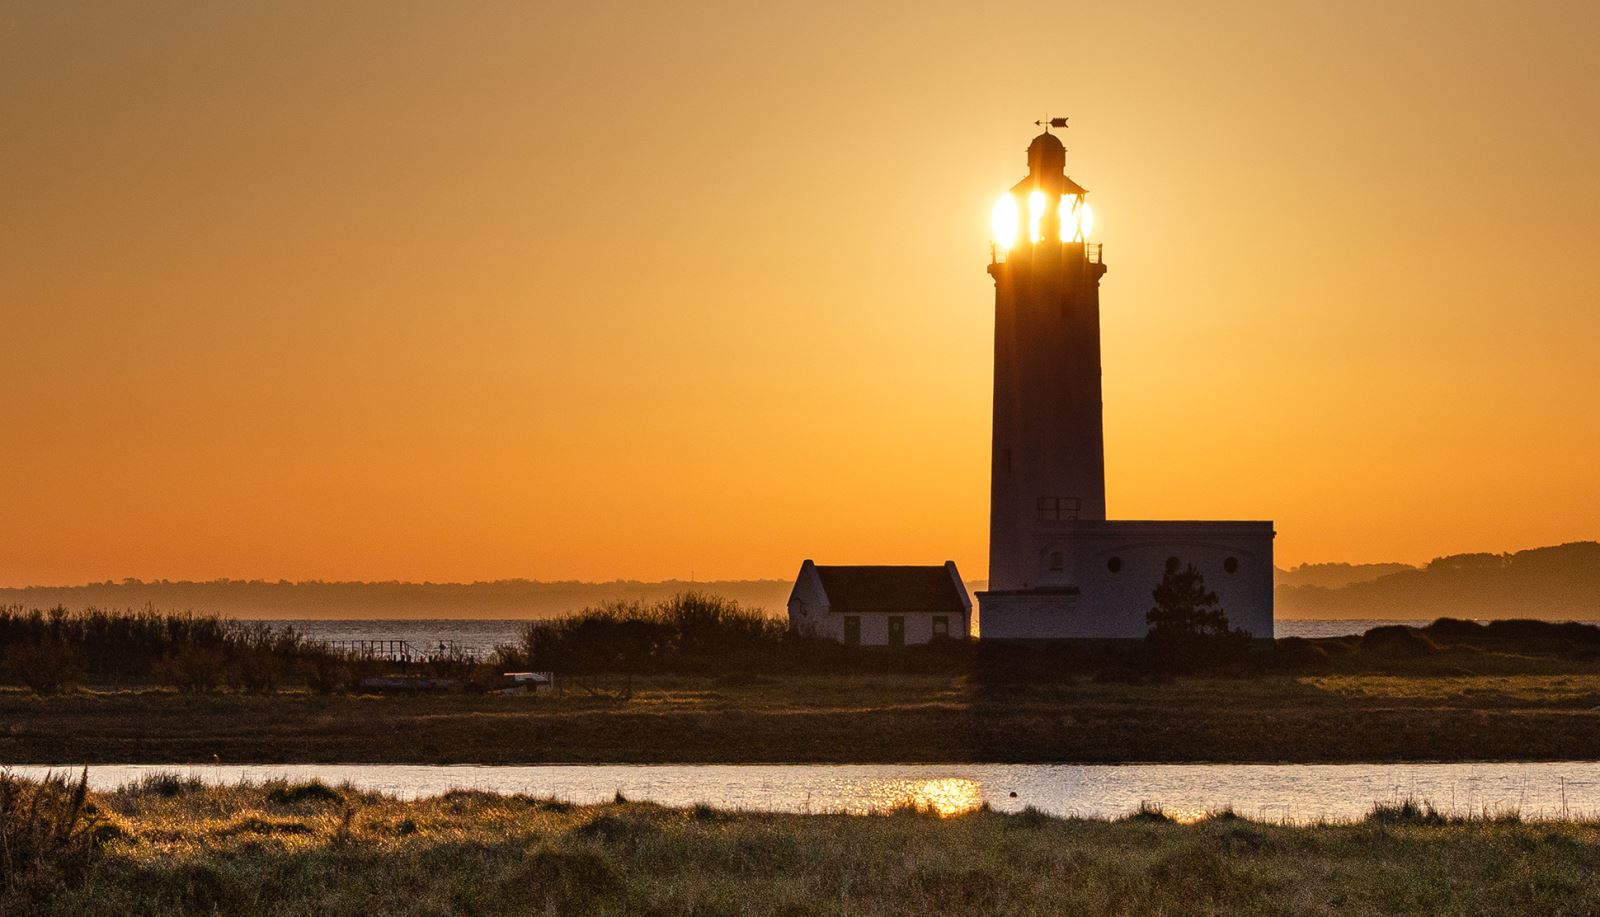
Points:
x=1093 y=252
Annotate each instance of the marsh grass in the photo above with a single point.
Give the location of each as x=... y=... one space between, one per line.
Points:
x=233 y=849
x=48 y=834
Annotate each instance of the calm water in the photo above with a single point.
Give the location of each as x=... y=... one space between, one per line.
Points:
x=482 y=636
x=1337 y=792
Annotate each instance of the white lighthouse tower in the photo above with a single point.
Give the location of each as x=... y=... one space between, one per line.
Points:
x=1058 y=569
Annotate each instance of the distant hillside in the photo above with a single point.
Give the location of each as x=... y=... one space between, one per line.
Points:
x=500 y=599
x=1557 y=582
x=1333 y=576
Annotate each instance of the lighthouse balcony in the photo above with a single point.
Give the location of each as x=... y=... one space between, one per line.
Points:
x=1092 y=252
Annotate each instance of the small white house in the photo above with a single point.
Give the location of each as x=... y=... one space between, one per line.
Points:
x=880 y=605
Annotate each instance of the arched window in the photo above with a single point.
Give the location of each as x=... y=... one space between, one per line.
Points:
x=1231 y=565
x=1114 y=564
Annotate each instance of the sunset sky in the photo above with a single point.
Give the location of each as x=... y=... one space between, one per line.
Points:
x=432 y=291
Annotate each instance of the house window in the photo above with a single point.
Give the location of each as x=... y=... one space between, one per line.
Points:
x=1055 y=561
x=941 y=626
x=897 y=630
x=1055 y=509
x=1231 y=565
x=852 y=631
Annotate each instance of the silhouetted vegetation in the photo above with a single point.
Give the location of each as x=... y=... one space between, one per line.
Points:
x=1189 y=630
x=234 y=850
x=196 y=654
x=701 y=634
x=515 y=598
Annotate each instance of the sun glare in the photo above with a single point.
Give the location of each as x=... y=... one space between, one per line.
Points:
x=1004 y=221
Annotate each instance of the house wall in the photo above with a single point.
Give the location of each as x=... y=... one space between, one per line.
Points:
x=1113 y=604
x=874 y=626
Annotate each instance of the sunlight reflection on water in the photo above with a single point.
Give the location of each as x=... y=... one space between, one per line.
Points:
x=1273 y=792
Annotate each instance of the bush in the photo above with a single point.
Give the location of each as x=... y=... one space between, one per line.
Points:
x=47 y=651
x=287 y=794
x=692 y=633
x=1397 y=641
x=1297 y=654
x=193 y=669
x=47 y=667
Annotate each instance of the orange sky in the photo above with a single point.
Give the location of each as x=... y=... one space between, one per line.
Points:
x=463 y=291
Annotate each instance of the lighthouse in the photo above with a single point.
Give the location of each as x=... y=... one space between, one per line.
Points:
x=1059 y=568
x=1048 y=457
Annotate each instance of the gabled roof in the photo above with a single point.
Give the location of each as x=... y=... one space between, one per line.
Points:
x=893 y=590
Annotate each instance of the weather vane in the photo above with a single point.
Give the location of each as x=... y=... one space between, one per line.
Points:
x=1048 y=123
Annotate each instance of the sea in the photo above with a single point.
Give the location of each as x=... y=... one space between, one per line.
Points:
x=481 y=636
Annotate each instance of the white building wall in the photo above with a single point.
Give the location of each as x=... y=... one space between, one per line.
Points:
x=1113 y=604
x=874 y=626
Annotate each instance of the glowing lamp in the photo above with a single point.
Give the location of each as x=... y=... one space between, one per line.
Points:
x=1076 y=218
x=1036 y=205
x=1004 y=222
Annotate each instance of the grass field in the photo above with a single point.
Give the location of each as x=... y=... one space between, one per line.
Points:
x=171 y=847
x=866 y=719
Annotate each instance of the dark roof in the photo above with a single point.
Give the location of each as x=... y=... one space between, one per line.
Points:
x=896 y=590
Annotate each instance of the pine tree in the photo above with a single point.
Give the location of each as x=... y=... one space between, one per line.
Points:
x=1188 y=627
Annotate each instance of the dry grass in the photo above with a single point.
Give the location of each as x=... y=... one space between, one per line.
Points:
x=236 y=850
x=842 y=719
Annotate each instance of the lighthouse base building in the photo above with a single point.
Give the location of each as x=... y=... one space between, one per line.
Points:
x=1095 y=578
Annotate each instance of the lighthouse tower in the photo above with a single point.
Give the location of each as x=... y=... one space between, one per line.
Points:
x=1048 y=461
x=1058 y=568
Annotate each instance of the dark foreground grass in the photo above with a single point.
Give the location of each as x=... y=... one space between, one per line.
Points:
x=898 y=718
x=171 y=848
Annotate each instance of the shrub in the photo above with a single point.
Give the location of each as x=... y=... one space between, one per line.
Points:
x=1188 y=629
x=691 y=632
x=192 y=668
x=322 y=673
x=47 y=666
x=1297 y=654
x=1397 y=641
x=48 y=650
